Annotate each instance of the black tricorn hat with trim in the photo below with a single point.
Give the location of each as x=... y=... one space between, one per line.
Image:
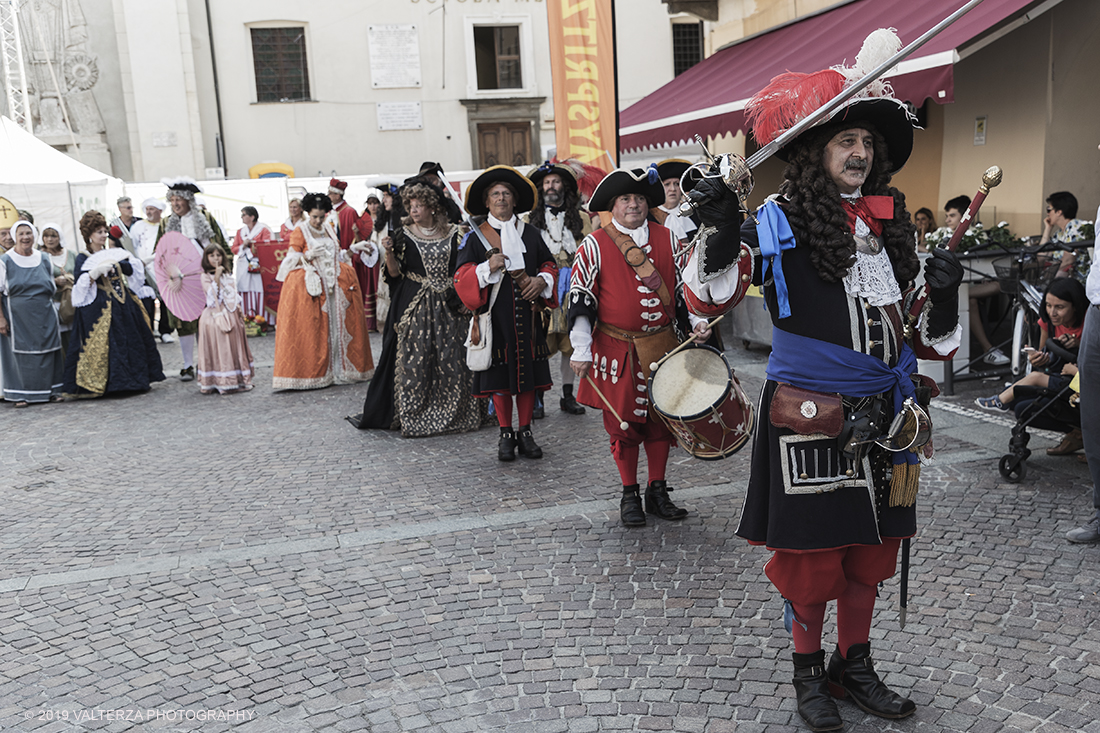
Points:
x=644 y=181
x=672 y=168
x=526 y=193
x=568 y=177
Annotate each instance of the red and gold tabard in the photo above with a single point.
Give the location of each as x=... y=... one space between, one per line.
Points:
x=624 y=304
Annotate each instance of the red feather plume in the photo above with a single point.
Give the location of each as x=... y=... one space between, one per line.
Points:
x=788 y=99
x=588 y=176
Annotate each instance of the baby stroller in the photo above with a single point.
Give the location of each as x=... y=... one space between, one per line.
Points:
x=1052 y=407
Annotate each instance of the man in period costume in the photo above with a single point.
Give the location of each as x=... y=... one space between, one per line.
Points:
x=144 y=234
x=202 y=229
x=833 y=489
x=625 y=311
x=563 y=225
x=124 y=221
x=351 y=227
x=665 y=214
x=517 y=273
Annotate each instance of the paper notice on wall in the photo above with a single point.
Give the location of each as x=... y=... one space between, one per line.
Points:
x=399 y=116
x=394 y=55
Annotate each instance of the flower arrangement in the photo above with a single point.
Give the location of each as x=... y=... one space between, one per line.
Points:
x=254 y=325
x=976 y=236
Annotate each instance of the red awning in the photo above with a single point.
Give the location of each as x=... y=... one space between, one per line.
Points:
x=710 y=97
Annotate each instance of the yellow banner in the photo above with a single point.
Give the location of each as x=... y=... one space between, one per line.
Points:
x=582 y=59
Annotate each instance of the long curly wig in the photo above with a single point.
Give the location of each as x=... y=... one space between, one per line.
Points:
x=819 y=220
x=573 y=221
x=89 y=223
x=427 y=196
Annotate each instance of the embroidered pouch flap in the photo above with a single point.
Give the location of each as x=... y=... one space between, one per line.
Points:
x=807 y=412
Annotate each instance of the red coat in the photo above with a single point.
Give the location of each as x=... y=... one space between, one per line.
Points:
x=624 y=302
x=349 y=220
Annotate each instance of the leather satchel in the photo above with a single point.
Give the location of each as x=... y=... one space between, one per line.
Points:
x=807 y=412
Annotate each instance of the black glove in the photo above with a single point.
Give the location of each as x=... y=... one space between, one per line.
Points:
x=942 y=275
x=718 y=206
x=943 y=272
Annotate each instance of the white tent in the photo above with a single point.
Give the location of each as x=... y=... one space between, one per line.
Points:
x=51 y=185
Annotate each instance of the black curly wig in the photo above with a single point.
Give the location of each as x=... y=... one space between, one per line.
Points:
x=573 y=221
x=818 y=218
x=313 y=201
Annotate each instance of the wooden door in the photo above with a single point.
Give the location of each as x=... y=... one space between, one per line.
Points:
x=504 y=143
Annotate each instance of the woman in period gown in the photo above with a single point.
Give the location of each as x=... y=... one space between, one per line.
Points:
x=322 y=335
x=30 y=342
x=422 y=386
x=112 y=348
x=250 y=285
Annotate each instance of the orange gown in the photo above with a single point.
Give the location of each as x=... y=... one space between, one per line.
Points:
x=322 y=335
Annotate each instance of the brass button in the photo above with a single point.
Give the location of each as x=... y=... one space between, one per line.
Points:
x=849 y=472
x=871 y=344
x=870 y=321
x=803 y=476
x=746 y=278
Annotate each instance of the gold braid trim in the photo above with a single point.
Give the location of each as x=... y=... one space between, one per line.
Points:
x=904 y=484
x=91 y=369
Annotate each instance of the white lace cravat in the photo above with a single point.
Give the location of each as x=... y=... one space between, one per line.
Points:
x=511 y=244
x=871 y=276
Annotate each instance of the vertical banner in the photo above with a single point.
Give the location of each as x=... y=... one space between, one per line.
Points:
x=582 y=59
x=270 y=255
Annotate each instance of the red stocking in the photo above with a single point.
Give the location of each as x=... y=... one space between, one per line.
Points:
x=656 y=456
x=808 y=640
x=525 y=406
x=854 y=610
x=626 y=460
x=502 y=404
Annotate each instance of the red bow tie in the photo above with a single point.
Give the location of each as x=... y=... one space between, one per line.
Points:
x=872 y=209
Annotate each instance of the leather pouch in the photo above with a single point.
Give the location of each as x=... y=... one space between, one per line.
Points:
x=807 y=412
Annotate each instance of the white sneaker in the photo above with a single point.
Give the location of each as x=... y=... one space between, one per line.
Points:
x=996 y=357
x=167 y=338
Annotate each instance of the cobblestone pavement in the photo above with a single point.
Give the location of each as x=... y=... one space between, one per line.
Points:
x=251 y=562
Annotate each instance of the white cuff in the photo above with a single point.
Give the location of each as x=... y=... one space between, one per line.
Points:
x=695 y=320
x=369 y=260
x=581 y=339
x=952 y=342
x=485 y=277
x=717 y=291
x=548 y=291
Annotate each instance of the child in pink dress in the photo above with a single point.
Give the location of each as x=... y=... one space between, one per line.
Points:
x=224 y=361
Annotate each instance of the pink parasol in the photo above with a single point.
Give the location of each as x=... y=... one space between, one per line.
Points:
x=178 y=269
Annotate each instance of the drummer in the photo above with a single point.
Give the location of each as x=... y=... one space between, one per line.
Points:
x=626 y=311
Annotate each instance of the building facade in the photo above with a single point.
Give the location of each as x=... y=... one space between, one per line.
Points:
x=159 y=88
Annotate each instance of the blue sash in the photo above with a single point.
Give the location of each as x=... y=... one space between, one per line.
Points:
x=825 y=367
x=775 y=235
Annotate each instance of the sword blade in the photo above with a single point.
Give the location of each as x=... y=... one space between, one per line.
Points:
x=823 y=112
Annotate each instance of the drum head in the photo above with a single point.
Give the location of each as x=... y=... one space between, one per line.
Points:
x=690 y=383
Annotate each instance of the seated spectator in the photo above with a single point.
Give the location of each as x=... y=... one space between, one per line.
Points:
x=925 y=222
x=1065 y=305
x=1062 y=226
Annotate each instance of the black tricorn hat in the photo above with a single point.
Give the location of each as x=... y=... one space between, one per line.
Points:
x=568 y=177
x=526 y=193
x=672 y=168
x=645 y=181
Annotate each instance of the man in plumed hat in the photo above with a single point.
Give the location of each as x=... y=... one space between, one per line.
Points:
x=833 y=488
x=563 y=224
x=516 y=278
x=625 y=312
x=665 y=213
x=202 y=229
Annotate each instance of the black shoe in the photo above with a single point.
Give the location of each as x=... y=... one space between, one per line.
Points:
x=356 y=420
x=658 y=504
x=187 y=375
x=540 y=408
x=527 y=445
x=506 y=449
x=856 y=676
x=630 y=507
x=811 y=689
x=569 y=405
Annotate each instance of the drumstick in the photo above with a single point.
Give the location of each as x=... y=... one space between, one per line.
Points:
x=691 y=339
x=622 y=423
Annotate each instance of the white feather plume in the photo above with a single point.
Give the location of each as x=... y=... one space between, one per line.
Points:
x=877 y=48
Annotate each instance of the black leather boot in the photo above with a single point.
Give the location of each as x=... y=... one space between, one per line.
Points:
x=506 y=449
x=855 y=676
x=811 y=689
x=527 y=445
x=658 y=504
x=569 y=402
x=540 y=409
x=630 y=507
